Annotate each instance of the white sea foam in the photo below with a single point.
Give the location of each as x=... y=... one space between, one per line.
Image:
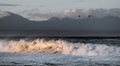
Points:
x=58 y=46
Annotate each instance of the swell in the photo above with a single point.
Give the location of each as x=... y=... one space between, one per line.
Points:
x=58 y=46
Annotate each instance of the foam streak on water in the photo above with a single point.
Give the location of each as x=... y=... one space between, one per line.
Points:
x=59 y=47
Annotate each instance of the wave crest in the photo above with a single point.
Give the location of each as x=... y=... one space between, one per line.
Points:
x=58 y=46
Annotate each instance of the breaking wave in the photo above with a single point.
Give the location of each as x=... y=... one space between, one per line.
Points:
x=58 y=46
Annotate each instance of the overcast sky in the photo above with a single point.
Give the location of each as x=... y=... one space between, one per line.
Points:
x=56 y=5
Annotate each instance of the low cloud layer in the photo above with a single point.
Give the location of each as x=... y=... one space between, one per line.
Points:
x=35 y=14
x=3 y=4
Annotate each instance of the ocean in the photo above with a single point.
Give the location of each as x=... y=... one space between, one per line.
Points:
x=60 y=51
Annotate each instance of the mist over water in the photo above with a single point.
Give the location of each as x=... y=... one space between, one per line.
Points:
x=58 y=47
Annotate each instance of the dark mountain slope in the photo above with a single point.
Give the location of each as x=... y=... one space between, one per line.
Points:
x=108 y=25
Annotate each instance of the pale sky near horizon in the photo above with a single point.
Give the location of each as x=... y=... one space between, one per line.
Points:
x=56 y=5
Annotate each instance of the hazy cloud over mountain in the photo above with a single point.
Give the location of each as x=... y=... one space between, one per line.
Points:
x=36 y=14
x=3 y=14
